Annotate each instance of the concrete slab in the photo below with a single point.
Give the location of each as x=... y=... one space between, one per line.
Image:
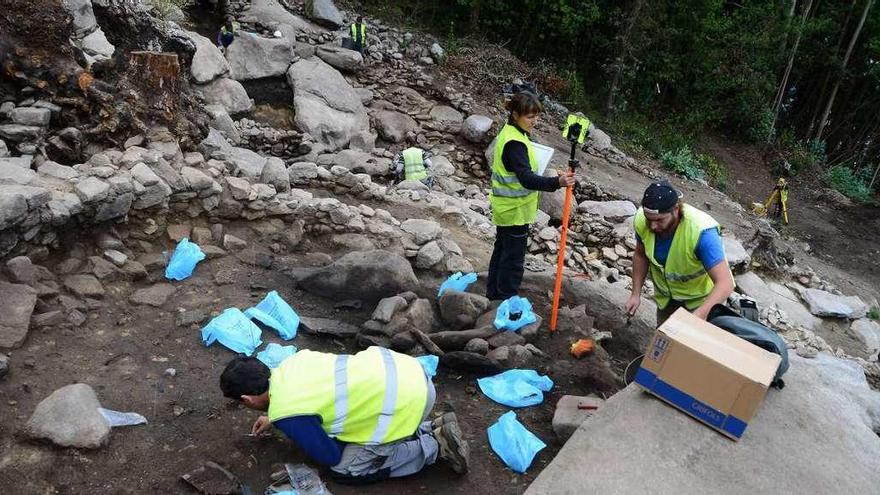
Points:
x=815 y=436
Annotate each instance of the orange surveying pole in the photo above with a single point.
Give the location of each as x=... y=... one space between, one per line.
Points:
x=575 y=131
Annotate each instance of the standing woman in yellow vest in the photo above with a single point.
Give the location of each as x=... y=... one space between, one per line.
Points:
x=514 y=197
x=358 y=32
x=682 y=248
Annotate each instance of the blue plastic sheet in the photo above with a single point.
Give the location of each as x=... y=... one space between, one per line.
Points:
x=274 y=354
x=184 y=260
x=513 y=443
x=429 y=363
x=516 y=388
x=274 y=312
x=505 y=318
x=458 y=282
x=234 y=330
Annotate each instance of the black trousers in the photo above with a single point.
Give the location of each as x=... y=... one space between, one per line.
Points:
x=507 y=263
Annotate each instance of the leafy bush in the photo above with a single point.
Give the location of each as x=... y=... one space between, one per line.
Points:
x=874 y=313
x=683 y=162
x=453 y=45
x=763 y=131
x=715 y=172
x=844 y=180
x=803 y=155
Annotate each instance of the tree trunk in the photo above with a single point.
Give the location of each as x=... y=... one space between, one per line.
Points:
x=622 y=55
x=780 y=94
x=788 y=17
x=828 y=76
x=852 y=43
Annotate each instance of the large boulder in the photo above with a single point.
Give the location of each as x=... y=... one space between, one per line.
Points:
x=461 y=309
x=324 y=12
x=816 y=436
x=255 y=57
x=83 y=16
x=274 y=16
x=208 y=63
x=17 y=304
x=778 y=296
x=447 y=118
x=228 y=93
x=356 y=162
x=476 y=128
x=868 y=332
x=613 y=211
x=247 y=163
x=364 y=275
x=737 y=256
x=394 y=126
x=327 y=107
x=823 y=303
x=341 y=58
x=97 y=45
x=69 y=417
x=553 y=203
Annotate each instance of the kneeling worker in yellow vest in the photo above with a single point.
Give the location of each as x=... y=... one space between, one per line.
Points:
x=514 y=197
x=682 y=247
x=365 y=416
x=413 y=164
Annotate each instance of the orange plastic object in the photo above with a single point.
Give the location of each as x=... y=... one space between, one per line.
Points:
x=582 y=347
x=560 y=261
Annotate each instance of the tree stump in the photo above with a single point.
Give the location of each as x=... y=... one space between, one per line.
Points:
x=156 y=77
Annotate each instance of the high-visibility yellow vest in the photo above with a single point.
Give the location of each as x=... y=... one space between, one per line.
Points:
x=512 y=204
x=414 y=164
x=374 y=397
x=683 y=278
x=224 y=32
x=354 y=28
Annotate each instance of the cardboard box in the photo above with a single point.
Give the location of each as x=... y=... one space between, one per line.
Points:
x=706 y=372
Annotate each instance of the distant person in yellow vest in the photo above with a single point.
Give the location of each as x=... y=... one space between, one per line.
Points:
x=227 y=33
x=365 y=416
x=358 y=32
x=413 y=164
x=514 y=197
x=681 y=246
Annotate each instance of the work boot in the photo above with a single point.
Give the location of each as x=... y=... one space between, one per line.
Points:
x=454 y=448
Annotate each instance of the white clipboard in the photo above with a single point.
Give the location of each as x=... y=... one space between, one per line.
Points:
x=543 y=154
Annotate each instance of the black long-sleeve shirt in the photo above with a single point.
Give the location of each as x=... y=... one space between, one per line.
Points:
x=515 y=158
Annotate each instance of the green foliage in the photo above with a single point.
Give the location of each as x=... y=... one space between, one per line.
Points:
x=762 y=131
x=453 y=45
x=803 y=155
x=847 y=182
x=682 y=161
x=874 y=313
x=716 y=173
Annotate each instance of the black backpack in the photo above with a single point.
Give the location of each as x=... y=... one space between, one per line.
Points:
x=754 y=332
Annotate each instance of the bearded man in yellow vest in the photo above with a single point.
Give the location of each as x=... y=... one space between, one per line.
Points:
x=366 y=416
x=681 y=247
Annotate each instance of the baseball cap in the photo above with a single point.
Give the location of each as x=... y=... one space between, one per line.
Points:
x=660 y=197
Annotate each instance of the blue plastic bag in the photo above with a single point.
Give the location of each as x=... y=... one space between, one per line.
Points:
x=458 y=282
x=516 y=388
x=429 y=364
x=513 y=306
x=274 y=354
x=513 y=443
x=274 y=312
x=234 y=330
x=184 y=260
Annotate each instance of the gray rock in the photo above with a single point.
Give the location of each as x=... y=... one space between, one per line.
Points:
x=32 y=116
x=208 y=63
x=97 y=45
x=221 y=121
x=470 y=362
x=438 y=54
x=775 y=295
x=422 y=231
x=13 y=172
x=394 y=126
x=233 y=243
x=156 y=295
x=441 y=167
x=227 y=93
x=21 y=270
x=215 y=145
x=447 y=117
x=302 y=172
x=737 y=256
x=340 y=58
x=48 y=319
x=116 y=257
x=476 y=128
x=418 y=317
x=868 y=332
x=13 y=207
x=568 y=415
x=826 y=416
x=272 y=13
x=275 y=174
x=84 y=286
x=326 y=105
x=504 y=339
x=144 y=174
x=429 y=255
x=18 y=133
x=326 y=327
x=92 y=190
x=613 y=211
x=247 y=163
x=57 y=171
x=356 y=162
x=4 y=365
x=824 y=303
x=387 y=308
x=255 y=57
x=364 y=275
x=461 y=309
x=82 y=13
x=456 y=340
x=479 y=346
x=324 y=12
x=4 y=150
x=69 y=417
x=17 y=304
x=553 y=203
x=196 y=179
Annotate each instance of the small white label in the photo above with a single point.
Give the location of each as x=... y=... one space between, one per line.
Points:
x=661 y=343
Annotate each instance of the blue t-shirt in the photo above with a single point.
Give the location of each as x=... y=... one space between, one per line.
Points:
x=307 y=434
x=710 y=248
